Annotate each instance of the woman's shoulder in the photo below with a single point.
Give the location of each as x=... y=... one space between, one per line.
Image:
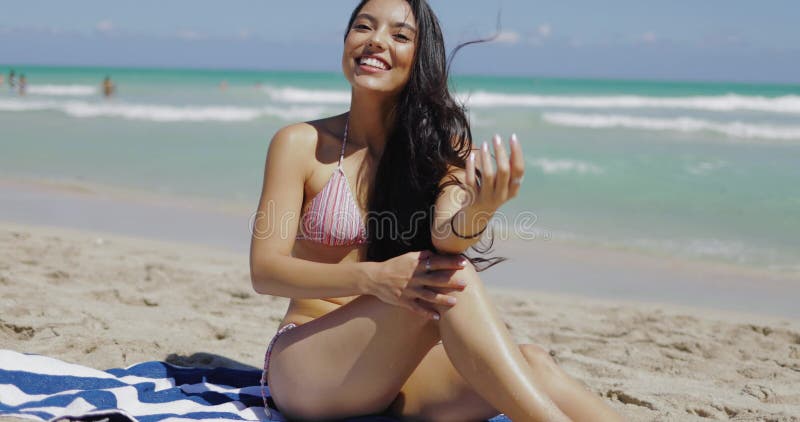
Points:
x=304 y=136
x=297 y=135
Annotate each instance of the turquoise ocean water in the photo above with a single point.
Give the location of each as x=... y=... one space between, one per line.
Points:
x=709 y=171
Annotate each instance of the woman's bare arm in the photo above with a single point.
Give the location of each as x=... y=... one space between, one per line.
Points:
x=454 y=202
x=273 y=270
x=469 y=207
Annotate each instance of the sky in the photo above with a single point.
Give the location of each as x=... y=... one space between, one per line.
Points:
x=712 y=40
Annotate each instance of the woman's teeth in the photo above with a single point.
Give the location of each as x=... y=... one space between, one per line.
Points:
x=372 y=62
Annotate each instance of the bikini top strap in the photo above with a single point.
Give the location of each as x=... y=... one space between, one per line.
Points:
x=344 y=140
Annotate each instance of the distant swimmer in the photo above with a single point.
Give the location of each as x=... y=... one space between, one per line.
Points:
x=223 y=86
x=11 y=83
x=108 y=87
x=23 y=84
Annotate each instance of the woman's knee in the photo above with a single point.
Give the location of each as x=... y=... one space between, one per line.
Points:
x=471 y=276
x=472 y=292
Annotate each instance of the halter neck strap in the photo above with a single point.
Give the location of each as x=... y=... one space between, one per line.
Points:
x=344 y=140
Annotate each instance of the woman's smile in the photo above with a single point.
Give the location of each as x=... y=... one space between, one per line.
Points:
x=372 y=64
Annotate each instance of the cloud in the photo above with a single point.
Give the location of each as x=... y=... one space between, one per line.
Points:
x=37 y=30
x=544 y=30
x=576 y=43
x=245 y=34
x=104 y=25
x=508 y=37
x=648 y=37
x=190 y=35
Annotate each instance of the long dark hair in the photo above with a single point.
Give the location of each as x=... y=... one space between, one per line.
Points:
x=431 y=132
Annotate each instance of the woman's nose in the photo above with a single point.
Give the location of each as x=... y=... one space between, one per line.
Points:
x=375 y=42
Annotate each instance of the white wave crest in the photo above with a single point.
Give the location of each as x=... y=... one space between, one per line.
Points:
x=307 y=96
x=680 y=124
x=703 y=168
x=30 y=105
x=732 y=250
x=63 y=90
x=789 y=104
x=553 y=166
x=162 y=113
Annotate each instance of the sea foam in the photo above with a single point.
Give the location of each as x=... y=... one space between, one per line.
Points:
x=681 y=124
x=63 y=90
x=788 y=104
x=560 y=166
x=162 y=113
x=306 y=96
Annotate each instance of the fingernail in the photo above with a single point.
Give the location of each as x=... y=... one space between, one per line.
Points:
x=485 y=146
x=452 y=300
x=472 y=156
x=497 y=139
x=463 y=262
x=461 y=283
x=436 y=316
x=514 y=138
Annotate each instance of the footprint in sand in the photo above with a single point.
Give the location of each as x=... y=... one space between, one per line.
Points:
x=754 y=372
x=706 y=412
x=149 y=302
x=239 y=294
x=18 y=332
x=762 y=393
x=114 y=295
x=156 y=272
x=626 y=398
x=58 y=276
x=728 y=411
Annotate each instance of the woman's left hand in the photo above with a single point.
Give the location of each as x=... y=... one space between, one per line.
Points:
x=501 y=180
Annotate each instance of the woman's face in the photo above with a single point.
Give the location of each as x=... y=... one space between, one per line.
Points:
x=379 y=48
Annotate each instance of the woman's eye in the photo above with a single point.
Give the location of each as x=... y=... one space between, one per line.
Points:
x=360 y=26
x=402 y=37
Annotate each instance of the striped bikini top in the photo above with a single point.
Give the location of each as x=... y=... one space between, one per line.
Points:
x=334 y=218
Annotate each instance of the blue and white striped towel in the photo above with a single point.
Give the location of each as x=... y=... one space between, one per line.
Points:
x=44 y=388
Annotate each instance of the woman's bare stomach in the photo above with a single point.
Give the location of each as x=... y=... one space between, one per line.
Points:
x=304 y=310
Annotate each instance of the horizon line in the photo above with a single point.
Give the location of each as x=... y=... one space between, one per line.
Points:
x=455 y=74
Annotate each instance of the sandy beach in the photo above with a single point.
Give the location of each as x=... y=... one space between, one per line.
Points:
x=109 y=300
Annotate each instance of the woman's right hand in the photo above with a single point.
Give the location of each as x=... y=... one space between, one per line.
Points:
x=404 y=281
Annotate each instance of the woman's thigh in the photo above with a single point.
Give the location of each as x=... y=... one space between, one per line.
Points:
x=435 y=391
x=353 y=360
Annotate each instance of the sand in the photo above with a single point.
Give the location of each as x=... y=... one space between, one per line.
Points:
x=109 y=301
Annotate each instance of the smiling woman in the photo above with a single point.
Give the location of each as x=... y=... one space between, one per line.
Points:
x=388 y=315
x=371 y=68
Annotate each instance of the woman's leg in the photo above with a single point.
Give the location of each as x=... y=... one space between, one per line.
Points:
x=481 y=349
x=356 y=359
x=436 y=392
x=571 y=396
x=351 y=361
